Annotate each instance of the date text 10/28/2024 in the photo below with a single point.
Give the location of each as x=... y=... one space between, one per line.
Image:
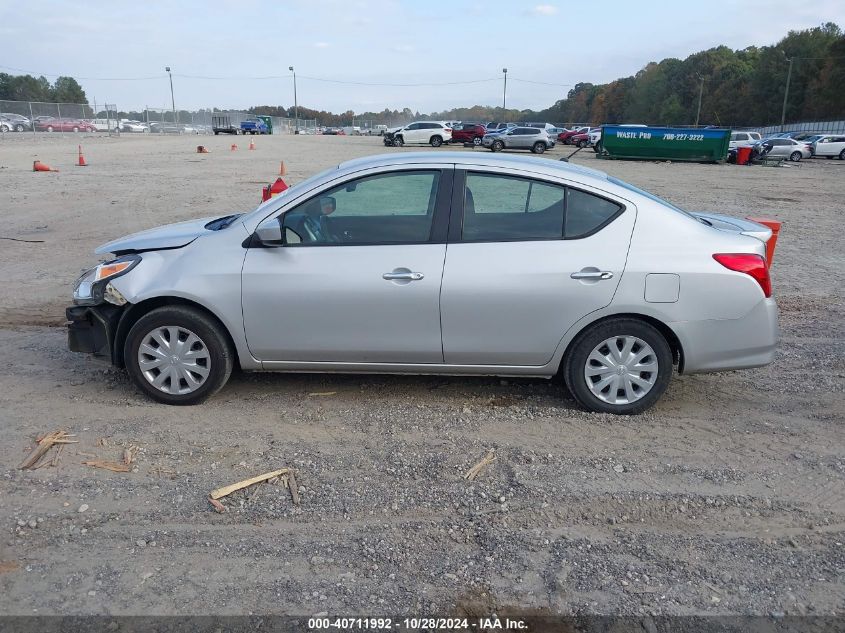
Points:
x=414 y=624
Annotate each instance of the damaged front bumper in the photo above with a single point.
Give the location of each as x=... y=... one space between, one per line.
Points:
x=93 y=329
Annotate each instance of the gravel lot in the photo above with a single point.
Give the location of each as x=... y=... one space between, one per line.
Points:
x=726 y=498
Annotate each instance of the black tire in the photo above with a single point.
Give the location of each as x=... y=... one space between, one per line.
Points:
x=539 y=147
x=597 y=148
x=436 y=141
x=577 y=357
x=567 y=141
x=49 y=128
x=4 y=128
x=842 y=155
x=476 y=140
x=19 y=128
x=398 y=141
x=212 y=337
x=497 y=146
x=795 y=157
x=582 y=144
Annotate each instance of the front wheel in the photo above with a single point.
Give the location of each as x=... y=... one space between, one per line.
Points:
x=436 y=141
x=497 y=146
x=795 y=157
x=582 y=144
x=619 y=366
x=398 y=141
x=539 y=147
x=178 y=355
x=19 y=128
x=476 y=141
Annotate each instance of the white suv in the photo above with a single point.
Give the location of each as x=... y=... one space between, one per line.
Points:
x=432 y=133
x=743 y=139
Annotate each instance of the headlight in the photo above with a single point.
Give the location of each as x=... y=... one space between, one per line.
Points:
x=91 y=287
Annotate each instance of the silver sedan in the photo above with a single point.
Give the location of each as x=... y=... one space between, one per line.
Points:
x=446 y=263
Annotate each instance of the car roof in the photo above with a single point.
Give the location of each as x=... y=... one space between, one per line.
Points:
x=541 y=165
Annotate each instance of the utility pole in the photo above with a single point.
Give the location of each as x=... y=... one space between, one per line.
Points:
x=172 y=100
x=786 y=92
x=700 y=92
x=505 y=94
x=295 y=102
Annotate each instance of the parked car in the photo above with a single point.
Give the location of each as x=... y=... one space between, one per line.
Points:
x=129 y=125
x=254 y=125
x=331 y=131
x=743 y=139
x=530 y=138
x=9 y=121
x=566 y=137
x=830 y=146
x=64 y=125
x=433 y=133
x=104 y=125
x=782 y=146
x=468 y=133
x=581 y=277
x=163 y=127
x=580 y=139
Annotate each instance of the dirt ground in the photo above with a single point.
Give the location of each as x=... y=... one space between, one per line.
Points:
x=727 y=498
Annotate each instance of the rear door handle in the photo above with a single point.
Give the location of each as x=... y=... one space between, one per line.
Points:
x=405 y=276
x=597 y=274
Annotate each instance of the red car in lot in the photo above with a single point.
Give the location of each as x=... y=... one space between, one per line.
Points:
x=581 y=139
x=64 y=125
x=566 y=137
x=468 y=133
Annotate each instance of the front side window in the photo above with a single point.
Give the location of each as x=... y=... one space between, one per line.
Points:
x=513 y=208
x=391 y=208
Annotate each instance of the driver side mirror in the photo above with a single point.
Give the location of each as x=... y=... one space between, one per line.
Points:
x=269 y=233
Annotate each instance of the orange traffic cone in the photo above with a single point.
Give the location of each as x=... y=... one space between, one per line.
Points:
x=282 y=169
x=81 y=162
x=202 y=149
x=251 y=144
x=37 y=165
x=234 y=147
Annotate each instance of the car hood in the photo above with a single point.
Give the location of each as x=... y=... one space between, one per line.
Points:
x=167 y=236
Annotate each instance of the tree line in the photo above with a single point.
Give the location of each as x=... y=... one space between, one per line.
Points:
x=737 y=88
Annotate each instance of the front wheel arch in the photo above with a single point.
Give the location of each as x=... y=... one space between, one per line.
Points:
x=135 y=311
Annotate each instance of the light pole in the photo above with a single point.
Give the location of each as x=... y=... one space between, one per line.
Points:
x=700 y=92
x=295 y=102
x=786 y=92
x=172 y=100
x=505 y=94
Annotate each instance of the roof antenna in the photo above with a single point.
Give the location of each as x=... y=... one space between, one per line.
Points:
x=565 y=159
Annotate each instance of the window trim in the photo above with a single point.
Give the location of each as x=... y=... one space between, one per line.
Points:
x=440 y=214
x=456 y=219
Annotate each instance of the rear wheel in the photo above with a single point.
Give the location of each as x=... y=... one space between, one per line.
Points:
x=4 y=128
x=178 y=355
x=476 y=140
x=19 y=128
x=75 y=129
x=842 y=155
x=539 y=147
x=582 y=144
x=49 y=128
x=795 y=157
x=436 y=141
x=619 y=366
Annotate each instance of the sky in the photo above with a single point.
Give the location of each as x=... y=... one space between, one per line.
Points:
x=236 y=54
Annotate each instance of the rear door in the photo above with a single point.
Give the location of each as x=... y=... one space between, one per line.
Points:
x=526 y=259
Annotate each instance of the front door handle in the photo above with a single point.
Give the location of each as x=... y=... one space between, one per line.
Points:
x=592 y=274
x=403 y=276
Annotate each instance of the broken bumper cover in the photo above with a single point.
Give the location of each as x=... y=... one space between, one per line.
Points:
x=92 y=329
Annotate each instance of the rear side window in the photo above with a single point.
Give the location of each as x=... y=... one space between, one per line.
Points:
x=510 y=208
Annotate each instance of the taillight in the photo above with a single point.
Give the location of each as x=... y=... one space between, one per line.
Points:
x=749 y=264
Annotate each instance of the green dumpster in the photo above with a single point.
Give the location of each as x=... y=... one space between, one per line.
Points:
x=268 y=120
x=708 y=145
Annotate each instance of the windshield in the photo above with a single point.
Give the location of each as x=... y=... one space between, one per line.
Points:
x=648 y=195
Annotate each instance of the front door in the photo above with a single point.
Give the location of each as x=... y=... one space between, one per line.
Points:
x=529 y=260
x=358 y=279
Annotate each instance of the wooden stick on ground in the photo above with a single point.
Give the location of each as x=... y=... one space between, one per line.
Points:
x=219 y=507
x=473 y=472
x=294 y=488
x=45 y=443
x=227 y=490
x=117 y=467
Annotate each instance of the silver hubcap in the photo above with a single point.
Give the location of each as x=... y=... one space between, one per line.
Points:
x=621 y=370
x=174 y=360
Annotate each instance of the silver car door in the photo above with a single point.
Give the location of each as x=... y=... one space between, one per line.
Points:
x=511 y=285
x=358 y=279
